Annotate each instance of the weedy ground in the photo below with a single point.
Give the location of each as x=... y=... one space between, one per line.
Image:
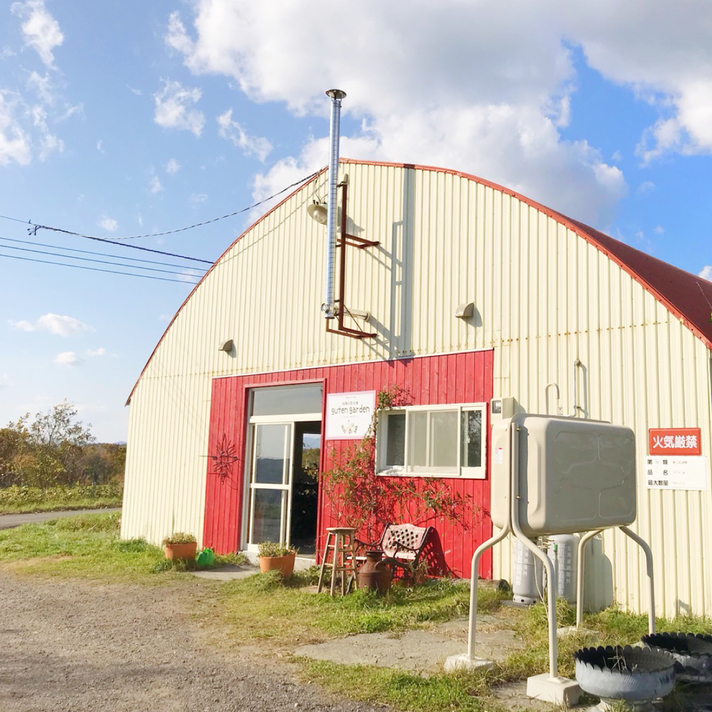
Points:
x=20 y=499
x=264 y=614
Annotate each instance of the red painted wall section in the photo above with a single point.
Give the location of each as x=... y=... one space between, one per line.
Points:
x=453 y=378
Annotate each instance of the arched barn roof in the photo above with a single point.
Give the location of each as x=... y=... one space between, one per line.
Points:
x=685 y=295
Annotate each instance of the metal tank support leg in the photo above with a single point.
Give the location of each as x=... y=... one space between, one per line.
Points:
x=579 y=573
x=649 y=569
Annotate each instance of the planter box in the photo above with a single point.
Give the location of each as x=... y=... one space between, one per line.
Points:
x=180 y=551
x=283 y=564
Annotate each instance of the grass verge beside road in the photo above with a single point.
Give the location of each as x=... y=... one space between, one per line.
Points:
x=19 y=499
x=88 y=546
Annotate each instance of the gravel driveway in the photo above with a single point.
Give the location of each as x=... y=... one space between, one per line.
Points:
x=79 y=646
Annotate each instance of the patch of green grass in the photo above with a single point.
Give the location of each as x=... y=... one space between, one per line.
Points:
x=20 y=499
x=263 y=607
x=238 y=559
x=609 y=627
x=465 y=691
x=87 y=545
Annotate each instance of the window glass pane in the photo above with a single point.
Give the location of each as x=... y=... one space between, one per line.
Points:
x=395 y=444
x=267 y=517
x=287 y=400
x=269 y=454
x=418 y=438
x=443 y=438
x=471 y=438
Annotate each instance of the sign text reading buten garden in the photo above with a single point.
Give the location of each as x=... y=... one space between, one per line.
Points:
x=349 y=415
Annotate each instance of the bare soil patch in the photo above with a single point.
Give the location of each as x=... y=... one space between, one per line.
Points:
x=81 y=646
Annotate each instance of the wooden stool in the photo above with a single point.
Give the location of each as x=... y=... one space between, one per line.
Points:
x=340 y=541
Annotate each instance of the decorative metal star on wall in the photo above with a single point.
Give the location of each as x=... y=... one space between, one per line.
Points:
x=224 y=459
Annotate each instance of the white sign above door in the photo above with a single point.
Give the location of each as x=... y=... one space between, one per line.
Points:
x=349 y=415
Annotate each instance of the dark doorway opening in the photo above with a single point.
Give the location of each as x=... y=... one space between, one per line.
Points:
x=305 y=486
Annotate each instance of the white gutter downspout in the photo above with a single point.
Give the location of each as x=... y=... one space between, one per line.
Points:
x=328 y=306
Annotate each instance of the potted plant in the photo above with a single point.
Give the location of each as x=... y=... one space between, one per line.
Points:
x=180 y=546
x=276 y=557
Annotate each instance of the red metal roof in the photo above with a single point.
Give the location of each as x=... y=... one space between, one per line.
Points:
x=687 y=296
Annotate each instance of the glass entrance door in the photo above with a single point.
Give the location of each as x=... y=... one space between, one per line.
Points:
x=270 y=482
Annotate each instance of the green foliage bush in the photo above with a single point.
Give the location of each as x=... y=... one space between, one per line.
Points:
x=271 y=549
x=178 y=538
x=55 y=449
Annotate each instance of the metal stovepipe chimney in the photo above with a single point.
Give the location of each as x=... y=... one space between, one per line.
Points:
x=328 y=306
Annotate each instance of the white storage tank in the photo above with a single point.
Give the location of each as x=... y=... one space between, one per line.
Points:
x=563 y=552
x=528 y=576
x=574 y=475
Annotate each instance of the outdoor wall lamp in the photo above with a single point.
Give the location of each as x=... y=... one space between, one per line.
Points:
x=317 y=211
x=465 y=310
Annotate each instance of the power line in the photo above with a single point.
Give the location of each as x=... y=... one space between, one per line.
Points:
x=35 y=227
x=24 y=222
x=111 y=242
x=83 y=252
x=133 y=247
x=96 y=269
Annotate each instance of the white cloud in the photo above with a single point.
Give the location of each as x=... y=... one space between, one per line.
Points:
x=67 y=358
x=22 y=325
x=197 y=199
x=49 y=143
x=155 y=185
x=101 y=351
x=658 y=229
x=58 y=324
x=25 y=124
x=706 y=273
x=492 y=104
x=190 y=275
x=137 y=92
x=646 y=187
x=100 y=146
x=250 y=145
x=15 y=143
x=43 y=86
x=172 y=167
x=40 y=30
x=174 y=108
x=109 y=224
x=666 y=61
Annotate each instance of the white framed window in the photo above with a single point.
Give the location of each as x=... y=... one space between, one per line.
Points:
x=434 y=440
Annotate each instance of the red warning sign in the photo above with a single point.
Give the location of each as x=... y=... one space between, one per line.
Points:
x=674 y=441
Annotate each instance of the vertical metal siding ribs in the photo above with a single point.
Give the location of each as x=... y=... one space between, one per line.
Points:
x=544 y=297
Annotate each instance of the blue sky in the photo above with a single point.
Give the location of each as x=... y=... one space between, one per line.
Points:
x=125 y=118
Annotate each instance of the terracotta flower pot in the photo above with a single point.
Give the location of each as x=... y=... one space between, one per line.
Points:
x=283 y=564
x=180 y=551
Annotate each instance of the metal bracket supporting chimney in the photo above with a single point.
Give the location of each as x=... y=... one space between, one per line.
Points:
x=345 y=240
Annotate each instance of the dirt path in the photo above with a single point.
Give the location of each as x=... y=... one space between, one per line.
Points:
x=74 y=646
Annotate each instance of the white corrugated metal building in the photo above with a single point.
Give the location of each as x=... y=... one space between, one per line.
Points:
x=626 y=338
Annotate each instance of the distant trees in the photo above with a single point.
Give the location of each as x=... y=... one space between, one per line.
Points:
x=54 y=448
